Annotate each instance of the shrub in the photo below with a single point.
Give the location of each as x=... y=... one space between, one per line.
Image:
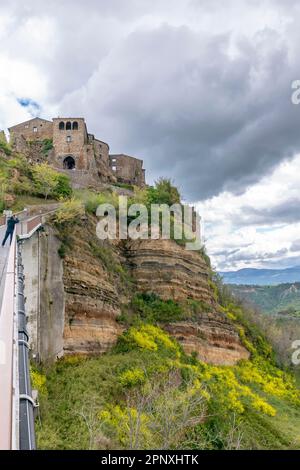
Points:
x=47 y=146
x=151 y=308
x=45 y=179
x=147 y=337
x=130 y=187
x=164 y=192
x=4 y=145
x=92 y=200
x=69 y=212
x=63 y=187
x=132 y=377
x=62 y=251
x=49 y=182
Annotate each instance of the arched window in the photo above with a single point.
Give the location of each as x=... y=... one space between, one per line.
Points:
x=68 y=126
x=61 y=126
x=75 y=126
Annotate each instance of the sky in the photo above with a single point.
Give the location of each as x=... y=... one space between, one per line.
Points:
x=199 y=89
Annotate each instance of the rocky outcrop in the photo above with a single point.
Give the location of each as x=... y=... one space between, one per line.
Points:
x=213 y=338
x=92 y=303
x=164 y=267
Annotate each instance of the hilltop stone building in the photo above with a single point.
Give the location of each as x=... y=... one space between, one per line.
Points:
x=66 y=144
x=127 y=169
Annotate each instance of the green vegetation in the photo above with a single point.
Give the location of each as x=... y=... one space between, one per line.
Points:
x=147 y=382
x=24 y=200
x=164 y=192
x=4 y=145
x=281 y=299
x=47 y=146
x=24 y=181
x=150 y=308
x=69 y=213
x=147 y=393
x=130 y=187
x=49 y=182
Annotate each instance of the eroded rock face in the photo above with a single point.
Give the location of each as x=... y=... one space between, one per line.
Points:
x=212 y=337
x=164 y=267
x=92 y=303
x=93 y=298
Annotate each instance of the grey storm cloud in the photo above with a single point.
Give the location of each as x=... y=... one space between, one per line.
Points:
x=232 y=259
x=180 y=98
x=295 y=245
x=286 y=212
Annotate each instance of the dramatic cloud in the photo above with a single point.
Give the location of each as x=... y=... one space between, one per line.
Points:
x=201 y=90
x=260 y=227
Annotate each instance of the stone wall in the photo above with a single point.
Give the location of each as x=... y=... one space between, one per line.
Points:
x=72 y=142
x=75 y=149
x=81 y=179
x=127 y=169
x=35 y=129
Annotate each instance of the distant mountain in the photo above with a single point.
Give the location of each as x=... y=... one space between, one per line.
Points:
x=262 y=277
x=283 y=299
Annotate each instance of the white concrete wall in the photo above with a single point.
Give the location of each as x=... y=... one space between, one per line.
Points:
x=44 y=292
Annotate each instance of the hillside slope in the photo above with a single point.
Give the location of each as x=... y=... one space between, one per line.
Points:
x=283 y=299
x=183 y=368
x=155 y=356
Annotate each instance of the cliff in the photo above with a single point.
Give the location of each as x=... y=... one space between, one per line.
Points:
x=92 y=300
x=167 y=269
x=100 y=278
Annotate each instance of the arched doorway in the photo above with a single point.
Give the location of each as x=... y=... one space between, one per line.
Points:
x=69 y=163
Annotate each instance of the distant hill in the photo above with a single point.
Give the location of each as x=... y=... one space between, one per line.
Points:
x=283 y=299
x=262 y=277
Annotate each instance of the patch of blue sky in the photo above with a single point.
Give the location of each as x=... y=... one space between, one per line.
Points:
x=32 y=106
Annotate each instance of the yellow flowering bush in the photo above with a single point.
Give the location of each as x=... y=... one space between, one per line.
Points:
x=124 y=422
x=38 y=381
x=261 y=405
x=225 y=387
x=148 y=337
x=248 y=345
x=276 y=383
x=142 y=339
x=231 y=316
x=132 y=377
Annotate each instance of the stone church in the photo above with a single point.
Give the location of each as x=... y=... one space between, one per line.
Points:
x=66 y=145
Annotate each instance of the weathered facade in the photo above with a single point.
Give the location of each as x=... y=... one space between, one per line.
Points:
x=72 y=150
x=127 y=169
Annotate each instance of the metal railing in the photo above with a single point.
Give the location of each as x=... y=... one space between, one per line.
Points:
x=14 y=362
x=27 y=227
x=6 y=350
x=26 y=404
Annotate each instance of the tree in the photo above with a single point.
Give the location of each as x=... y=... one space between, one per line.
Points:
x=45 y=178
x=69 y=212
x=63 y=187
x=164 y=192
